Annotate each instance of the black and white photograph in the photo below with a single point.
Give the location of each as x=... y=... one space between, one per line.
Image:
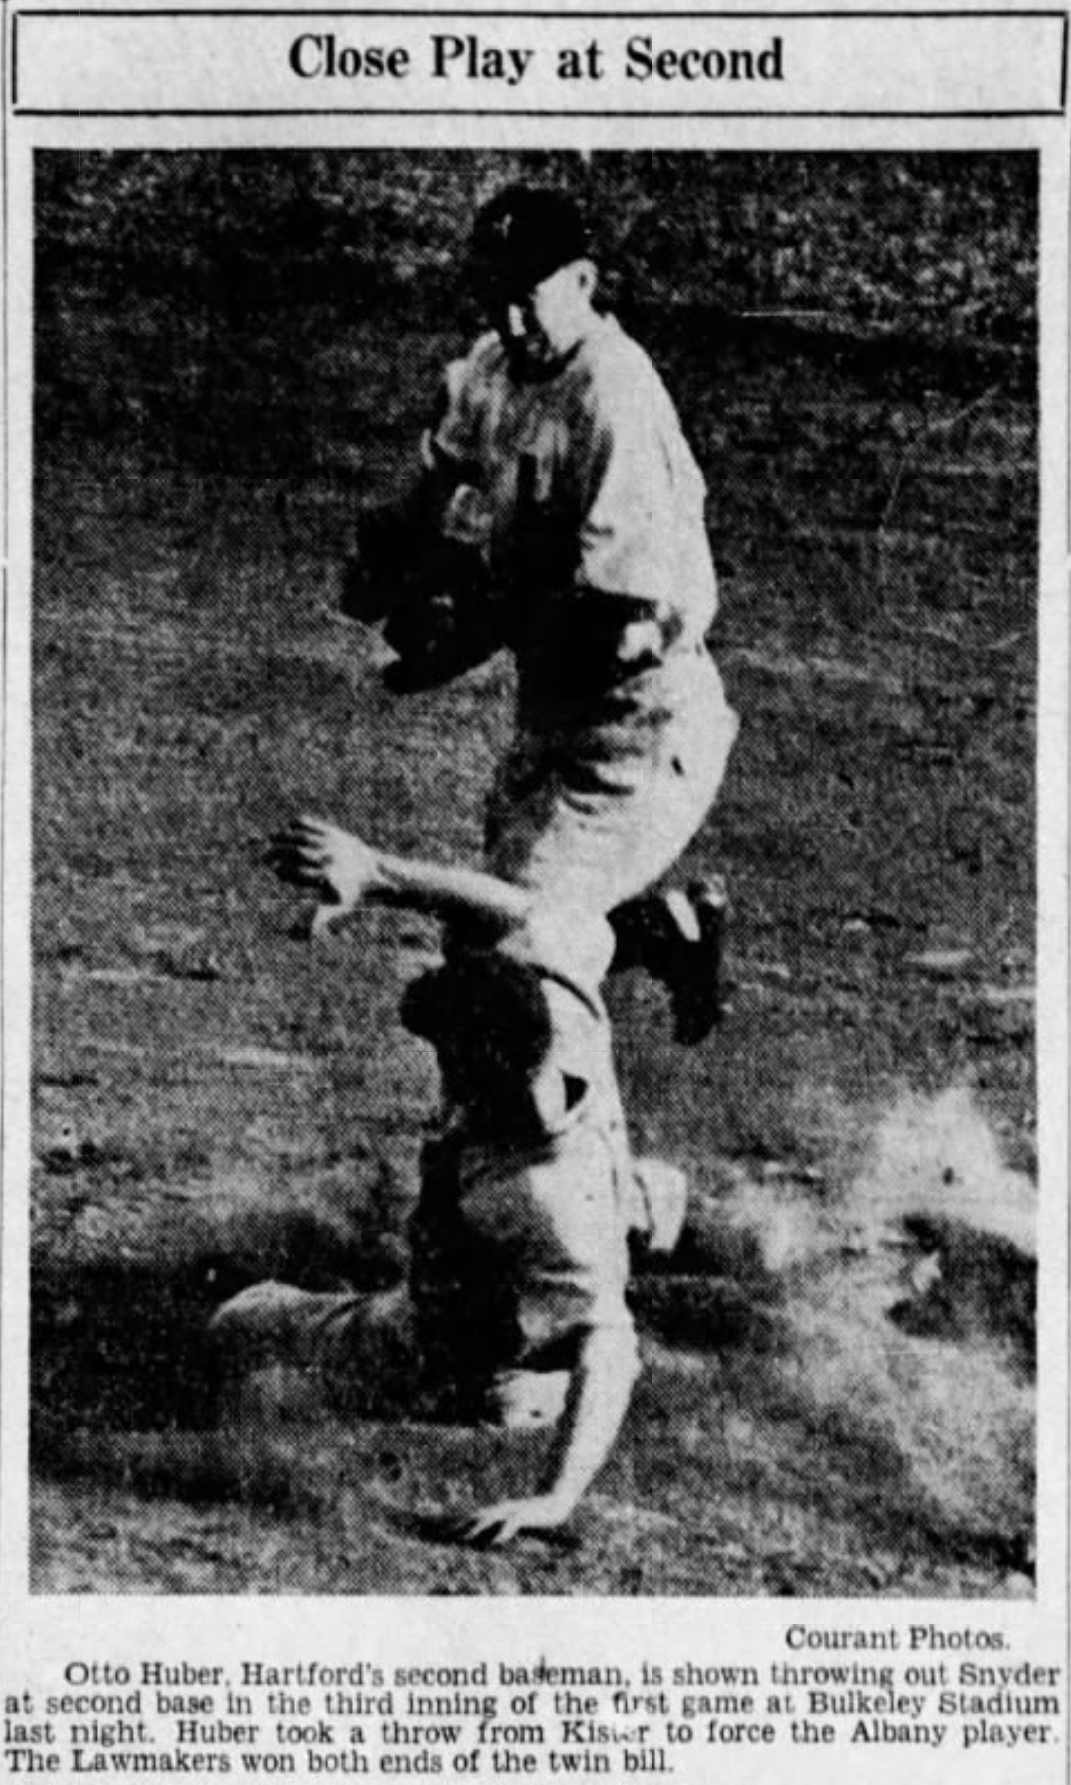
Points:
x=534 y=671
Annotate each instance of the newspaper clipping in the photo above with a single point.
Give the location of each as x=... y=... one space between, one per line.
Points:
x=535 y=892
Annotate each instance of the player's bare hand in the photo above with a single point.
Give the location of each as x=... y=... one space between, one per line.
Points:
x=493 y=1526
x=332 y=863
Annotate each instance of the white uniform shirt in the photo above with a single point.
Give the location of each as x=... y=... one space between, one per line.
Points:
x=540 y=1229
x=593 y=455
x=554 y=1219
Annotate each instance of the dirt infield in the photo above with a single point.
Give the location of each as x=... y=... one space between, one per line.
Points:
x=838 y=1397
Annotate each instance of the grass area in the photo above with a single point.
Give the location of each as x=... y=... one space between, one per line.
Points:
x=214 y=1102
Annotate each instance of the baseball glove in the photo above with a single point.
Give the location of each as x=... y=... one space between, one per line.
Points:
x=431 y=594
x=374 y=573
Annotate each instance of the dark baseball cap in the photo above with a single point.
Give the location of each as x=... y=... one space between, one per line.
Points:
x=524 y=234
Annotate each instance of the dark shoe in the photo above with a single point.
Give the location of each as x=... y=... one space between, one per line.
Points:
x=693 y=959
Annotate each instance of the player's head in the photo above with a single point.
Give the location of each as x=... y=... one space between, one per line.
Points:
x=488 y=1018
x=533 y=271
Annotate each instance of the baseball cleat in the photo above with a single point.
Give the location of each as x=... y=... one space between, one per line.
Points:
x=694 y=950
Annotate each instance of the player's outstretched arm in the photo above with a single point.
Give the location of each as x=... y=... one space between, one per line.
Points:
x=344 y=872
x=341 y=869
x=599 y=1393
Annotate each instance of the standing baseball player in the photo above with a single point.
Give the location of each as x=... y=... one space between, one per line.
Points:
x=561 y=512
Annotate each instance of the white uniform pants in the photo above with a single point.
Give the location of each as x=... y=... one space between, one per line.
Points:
x=593 y=821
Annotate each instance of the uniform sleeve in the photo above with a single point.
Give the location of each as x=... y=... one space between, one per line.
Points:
x=642 y=532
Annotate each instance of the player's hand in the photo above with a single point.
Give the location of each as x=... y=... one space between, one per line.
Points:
x=639 y=644
x=337 y=866
x=493 y=1526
